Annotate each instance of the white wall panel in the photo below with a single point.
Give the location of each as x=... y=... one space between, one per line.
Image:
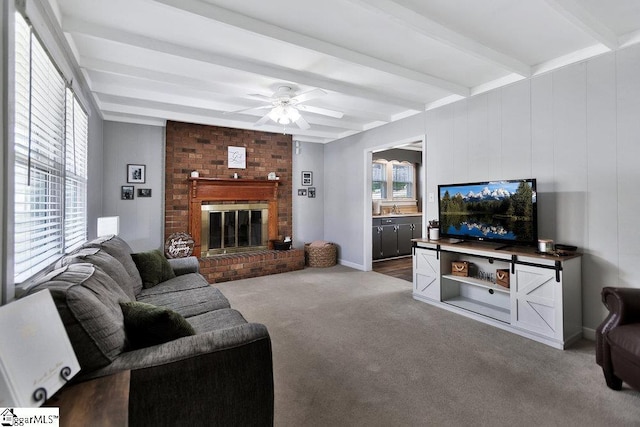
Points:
x=542 y=153
x=460 y=147
x=516 y=131
x=570 y=153
x=601 y=255
x=628 y=119
x=480 y=153
x=494 y=115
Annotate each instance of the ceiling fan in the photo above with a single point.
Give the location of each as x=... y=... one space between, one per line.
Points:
x=285 y=107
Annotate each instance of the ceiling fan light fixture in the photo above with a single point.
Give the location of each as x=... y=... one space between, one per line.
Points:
x=284 y=115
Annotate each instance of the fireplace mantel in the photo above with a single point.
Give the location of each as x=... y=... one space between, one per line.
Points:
x=209 y=190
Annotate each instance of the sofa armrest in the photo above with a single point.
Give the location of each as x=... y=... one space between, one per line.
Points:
x=212 y=377
x=184 y=265
x=624 y=308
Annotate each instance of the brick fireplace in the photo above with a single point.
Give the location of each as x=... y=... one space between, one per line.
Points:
x=203 y=148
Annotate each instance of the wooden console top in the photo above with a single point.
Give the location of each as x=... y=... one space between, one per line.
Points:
x=498 y=248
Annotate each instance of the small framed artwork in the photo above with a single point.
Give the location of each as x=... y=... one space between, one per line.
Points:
x=237 y=157
x=144 y=192
x=312 y=192
x=136 y=174
x=307 y=178
x=126 y=192
x=302 y=191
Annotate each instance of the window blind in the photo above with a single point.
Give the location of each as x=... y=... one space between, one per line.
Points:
x=47 y=118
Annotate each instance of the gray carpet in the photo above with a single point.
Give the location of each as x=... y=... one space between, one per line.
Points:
x=354 y=349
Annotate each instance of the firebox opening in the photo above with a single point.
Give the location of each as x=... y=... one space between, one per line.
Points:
x=232 y=228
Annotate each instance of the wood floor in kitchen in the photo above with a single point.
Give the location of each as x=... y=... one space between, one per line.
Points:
x=402 y=268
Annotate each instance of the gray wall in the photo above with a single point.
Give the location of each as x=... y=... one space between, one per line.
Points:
x=308 y=213
x=347 y=175
x=576 y=130
x=141 y=219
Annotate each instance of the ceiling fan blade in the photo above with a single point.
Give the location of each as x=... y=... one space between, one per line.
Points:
x=322 y=111
x=262 y=121
x=306 y=96
x=302 y=123
x=244 y=110
x=260 y=97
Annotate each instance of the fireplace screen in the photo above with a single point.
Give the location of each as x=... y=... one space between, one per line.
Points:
x=234 y=228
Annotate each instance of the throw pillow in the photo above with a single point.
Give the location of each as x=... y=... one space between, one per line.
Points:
x=146 y=324
x=153 y=267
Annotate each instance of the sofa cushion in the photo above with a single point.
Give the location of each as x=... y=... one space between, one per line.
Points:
x=120 y=250
x=107 y=263
x=88 y=302
x=153 y=267
x=626 y=338
x=188 y=295
x=216 y=320
x=147 y=324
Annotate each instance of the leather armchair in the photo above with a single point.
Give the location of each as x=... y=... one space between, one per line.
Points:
x=618 y=338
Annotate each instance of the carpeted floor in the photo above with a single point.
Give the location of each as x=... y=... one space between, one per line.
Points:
x=353 y=348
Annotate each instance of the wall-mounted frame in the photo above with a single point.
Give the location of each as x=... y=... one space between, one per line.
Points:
x=144 y=192
x=302 y=191
x=312 y=192
x=237 y=157
x=307 y=178
x=136 y=174
x=126 y=192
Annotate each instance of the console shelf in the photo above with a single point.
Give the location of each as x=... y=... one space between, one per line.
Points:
x=484 y=309
x=543 y=301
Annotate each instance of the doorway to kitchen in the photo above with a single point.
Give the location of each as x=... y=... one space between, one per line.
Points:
x=394 y=198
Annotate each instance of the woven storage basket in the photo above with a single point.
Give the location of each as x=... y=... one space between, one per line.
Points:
x=320 y=256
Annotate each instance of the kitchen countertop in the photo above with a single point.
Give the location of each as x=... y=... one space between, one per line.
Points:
x=400 y=215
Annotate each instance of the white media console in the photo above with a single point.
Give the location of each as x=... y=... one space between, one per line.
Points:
x=543 y=301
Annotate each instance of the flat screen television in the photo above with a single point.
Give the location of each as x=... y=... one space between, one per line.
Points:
x=495 y=211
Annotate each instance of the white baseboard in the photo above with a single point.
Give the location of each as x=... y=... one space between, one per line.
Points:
x=589 y=334
x=351 y=264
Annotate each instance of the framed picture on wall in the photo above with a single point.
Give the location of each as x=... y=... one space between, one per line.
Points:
x=307 y=178
x=237 y=157
x=136 y=174
x=312 y=192
x=144 y=192
x=126 y=192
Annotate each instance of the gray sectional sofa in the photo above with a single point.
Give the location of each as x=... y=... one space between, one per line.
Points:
x=193 y=359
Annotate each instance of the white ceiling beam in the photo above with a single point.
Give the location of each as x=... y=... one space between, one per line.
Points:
x=114 y=97
x=433 y=30
x=193 y=117
x=581 y=18
x=77 y=26
x=225 y=16
x=203 y=86
x=100 y=65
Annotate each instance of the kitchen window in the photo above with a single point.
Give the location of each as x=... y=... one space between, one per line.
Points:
x=393 y=180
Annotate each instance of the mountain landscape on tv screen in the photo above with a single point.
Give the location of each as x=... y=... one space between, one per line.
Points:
x=500 y=210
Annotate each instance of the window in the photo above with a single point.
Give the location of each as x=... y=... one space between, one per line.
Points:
x=50 y=146
x=379 y=181
x=392 y=178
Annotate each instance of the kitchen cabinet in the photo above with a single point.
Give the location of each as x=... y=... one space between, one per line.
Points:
x=391 y=235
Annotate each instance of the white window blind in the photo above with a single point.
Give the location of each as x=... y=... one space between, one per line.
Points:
x=75 y=216
x=42 y=129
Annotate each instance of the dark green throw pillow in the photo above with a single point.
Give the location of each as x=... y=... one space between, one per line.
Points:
x=146 y=324
x=153 y=267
